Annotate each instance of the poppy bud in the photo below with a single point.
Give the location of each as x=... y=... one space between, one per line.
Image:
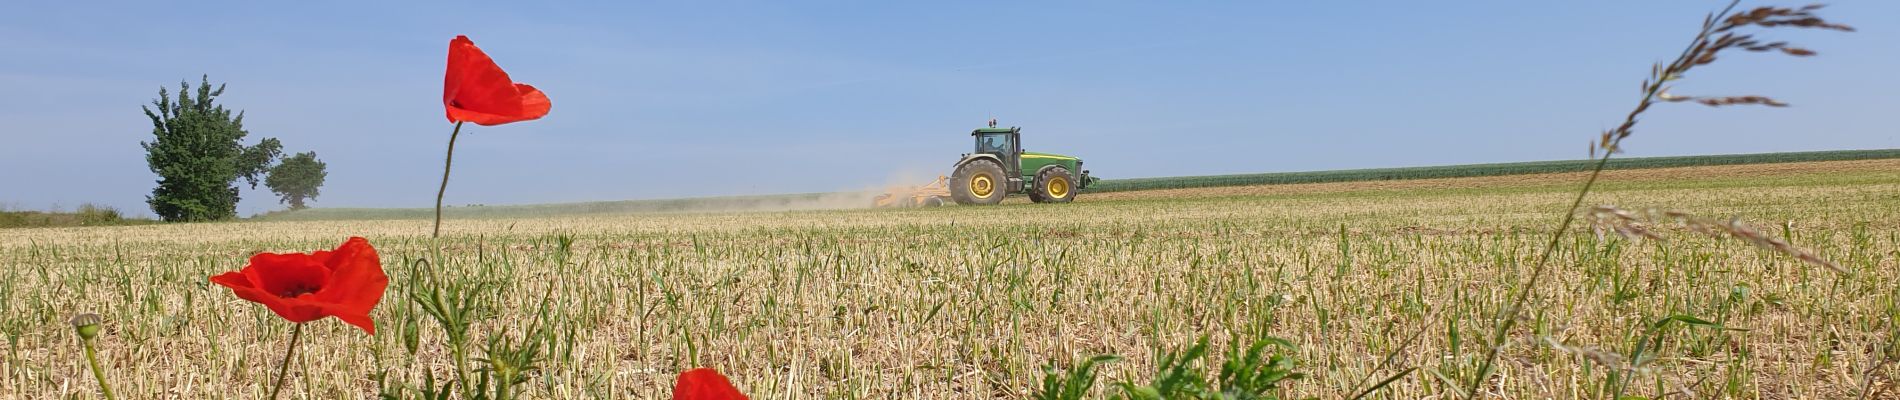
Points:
x=87 y=325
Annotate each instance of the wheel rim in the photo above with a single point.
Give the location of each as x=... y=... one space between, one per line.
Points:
x=1059 y=187
x=981 y=186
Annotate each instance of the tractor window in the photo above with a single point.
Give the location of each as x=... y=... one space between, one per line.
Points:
x=994 y=143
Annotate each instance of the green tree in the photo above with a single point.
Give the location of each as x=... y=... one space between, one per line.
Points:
x=198 y=153
x=297 y=179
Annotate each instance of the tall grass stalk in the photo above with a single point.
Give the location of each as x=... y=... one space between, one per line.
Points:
x=1700 y=51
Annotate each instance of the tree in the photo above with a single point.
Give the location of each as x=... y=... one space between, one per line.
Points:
x=297 y=179
x=198 y=154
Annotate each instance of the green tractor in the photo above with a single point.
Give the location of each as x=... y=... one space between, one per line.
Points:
x=1000 y=167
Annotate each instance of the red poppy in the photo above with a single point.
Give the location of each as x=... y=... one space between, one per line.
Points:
x=705 y=384
x=476 y=90
x=345 y=283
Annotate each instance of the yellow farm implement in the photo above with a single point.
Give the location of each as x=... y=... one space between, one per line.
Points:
x=932 y=194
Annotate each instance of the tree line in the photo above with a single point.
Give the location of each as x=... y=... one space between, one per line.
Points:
x=199 y=154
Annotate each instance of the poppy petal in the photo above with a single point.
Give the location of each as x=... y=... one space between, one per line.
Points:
x=475 y=89
x=357 y=281
x=321 y=257
x=233 y=280
x=281 y=306
x=705 y=384
x=529 y=104
x=533 y=103
x=286 y=275
x=360 y=319
x=474 y=82
x=299 y=309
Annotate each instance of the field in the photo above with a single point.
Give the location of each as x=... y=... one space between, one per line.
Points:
x=819 y=201
x=1473 y=170
x=968 y=302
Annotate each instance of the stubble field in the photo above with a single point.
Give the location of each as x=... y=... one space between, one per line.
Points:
x=968 y=302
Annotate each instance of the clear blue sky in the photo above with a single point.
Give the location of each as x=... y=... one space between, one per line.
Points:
x=717 y=98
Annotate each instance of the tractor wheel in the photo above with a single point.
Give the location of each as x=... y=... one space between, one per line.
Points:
x=978 y=182
x=1054 y=185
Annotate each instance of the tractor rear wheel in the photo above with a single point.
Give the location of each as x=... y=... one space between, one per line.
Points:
x=978 y=182
x=1053 y=185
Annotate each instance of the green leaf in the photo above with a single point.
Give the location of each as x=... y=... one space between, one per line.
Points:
x=1140 y=392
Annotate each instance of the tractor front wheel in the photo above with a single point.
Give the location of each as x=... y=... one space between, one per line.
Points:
x=978 y=182
x=1053 y=185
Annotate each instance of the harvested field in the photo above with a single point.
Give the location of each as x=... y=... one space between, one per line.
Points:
x=1480 y=170
x=971 y=302
x=1881 y=169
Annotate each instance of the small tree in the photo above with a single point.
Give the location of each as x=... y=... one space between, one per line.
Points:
x=297 y=179
x=198 y=154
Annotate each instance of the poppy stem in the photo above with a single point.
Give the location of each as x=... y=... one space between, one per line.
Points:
x=283 y=371
x=447 y=161
x=92 y=357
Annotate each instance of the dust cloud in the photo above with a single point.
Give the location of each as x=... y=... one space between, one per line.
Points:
x=898 y=181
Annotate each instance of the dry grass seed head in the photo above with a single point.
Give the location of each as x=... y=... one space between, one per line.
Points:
x=1717 y=35
x=1630 y=225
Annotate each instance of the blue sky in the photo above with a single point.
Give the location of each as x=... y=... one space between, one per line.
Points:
x=656 y=100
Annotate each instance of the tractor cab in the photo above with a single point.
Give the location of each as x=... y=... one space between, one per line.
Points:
x=1006 y=145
